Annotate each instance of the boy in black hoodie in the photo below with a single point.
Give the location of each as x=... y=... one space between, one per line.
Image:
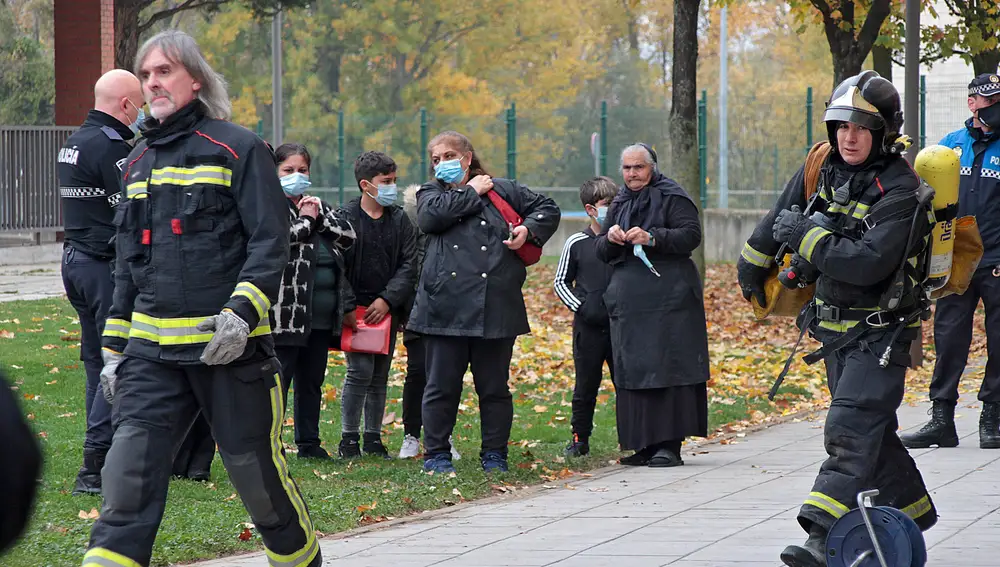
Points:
x=382 y=272
x=581 y=279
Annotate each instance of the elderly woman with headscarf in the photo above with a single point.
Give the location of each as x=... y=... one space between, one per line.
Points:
x=654 y=299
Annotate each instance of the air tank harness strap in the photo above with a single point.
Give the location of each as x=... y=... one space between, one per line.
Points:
x=867 y=321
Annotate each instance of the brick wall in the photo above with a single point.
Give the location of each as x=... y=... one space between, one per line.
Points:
x=84 y=49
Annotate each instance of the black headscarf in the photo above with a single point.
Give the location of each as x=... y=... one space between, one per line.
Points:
x=643 y=208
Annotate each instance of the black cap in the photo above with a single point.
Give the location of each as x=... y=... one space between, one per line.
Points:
x=987 y=84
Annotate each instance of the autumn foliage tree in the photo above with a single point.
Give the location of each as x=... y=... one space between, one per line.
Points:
x=134 y=18
x=851 y=27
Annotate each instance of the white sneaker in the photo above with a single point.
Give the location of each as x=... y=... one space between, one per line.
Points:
x=454 y=452
x=410 y=448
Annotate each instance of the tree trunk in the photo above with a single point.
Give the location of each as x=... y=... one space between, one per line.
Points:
x=882 y=61
x=684 y=108
x=986 y=61
x=849 y=52
x=126 y=33
x=633 y=27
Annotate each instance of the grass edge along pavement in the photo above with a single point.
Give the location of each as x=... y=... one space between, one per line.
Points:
x=207 y=520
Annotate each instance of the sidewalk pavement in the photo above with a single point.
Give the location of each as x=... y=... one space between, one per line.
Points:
x=730 y=505
x=23 y=282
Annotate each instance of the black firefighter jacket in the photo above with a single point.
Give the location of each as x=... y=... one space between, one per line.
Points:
x=203 y=227
x=470 y=284
x=856 y=263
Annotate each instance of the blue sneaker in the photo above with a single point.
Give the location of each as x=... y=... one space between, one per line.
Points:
x=494 y=461
x=439 y=464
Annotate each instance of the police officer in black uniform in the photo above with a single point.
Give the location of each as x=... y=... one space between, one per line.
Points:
x=90 y=170
x=867 y=307
x=201 y=244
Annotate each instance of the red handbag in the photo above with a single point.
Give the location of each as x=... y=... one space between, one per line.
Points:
x=529 y=253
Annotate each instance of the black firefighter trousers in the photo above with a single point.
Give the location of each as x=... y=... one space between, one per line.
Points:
x=860 y=438
x=155 y=405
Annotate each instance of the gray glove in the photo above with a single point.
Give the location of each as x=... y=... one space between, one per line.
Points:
x=229 y=340
x=109 y=374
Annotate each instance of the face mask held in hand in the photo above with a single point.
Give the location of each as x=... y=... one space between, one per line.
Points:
x=640 y=253
x=449 y=171
x=295 y=184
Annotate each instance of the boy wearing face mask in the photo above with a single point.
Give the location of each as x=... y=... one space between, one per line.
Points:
x=382 y=273
x=580 y=282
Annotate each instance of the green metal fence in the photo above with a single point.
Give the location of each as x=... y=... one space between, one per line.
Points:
x=768 y=139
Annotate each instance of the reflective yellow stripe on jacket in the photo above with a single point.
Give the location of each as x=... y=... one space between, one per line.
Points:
x=759 y=259
x=184 y=176
x=117 y=328
x=257 y=298
x=173 y=331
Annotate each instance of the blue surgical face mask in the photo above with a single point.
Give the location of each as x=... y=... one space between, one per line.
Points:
x=140 y=115
x=640 y=253
x=449 y=171
x=295 y=184
x=386 y=195
x=602 y=214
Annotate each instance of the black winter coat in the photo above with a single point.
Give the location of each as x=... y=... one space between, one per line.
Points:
x=293 y=309
x=470 y=285
x=658 y=329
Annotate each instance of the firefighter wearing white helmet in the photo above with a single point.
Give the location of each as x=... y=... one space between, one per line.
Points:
x=862 y=243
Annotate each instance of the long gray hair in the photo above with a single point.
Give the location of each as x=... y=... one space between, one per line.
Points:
x=181 y=48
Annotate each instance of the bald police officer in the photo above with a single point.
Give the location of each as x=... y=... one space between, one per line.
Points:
x=90 y=169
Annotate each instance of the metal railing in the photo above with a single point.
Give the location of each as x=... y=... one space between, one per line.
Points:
x=29 y=180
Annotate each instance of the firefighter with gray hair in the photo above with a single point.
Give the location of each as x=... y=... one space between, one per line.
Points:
x=199 y=258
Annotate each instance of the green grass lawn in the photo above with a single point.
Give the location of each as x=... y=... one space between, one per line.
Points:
x=205 y=520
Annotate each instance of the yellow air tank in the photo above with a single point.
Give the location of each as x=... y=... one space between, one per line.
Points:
x=938 y=166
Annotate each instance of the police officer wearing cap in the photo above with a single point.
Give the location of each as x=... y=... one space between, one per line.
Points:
x=859 y=247
x=978 y=147
x=90 y=169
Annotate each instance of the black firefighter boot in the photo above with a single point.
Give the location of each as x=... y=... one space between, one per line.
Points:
x=989 y=426
x=810 y=554
x=88 y=480
x=940 y=430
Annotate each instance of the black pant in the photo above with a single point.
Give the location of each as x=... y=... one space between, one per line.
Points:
x=591 y=349
x=860 y=438
x=196 y=453
x=155 y=403
x=414 y=384
x=953 y=336
x=306 y=367
x=447 y=360
x=90 y=289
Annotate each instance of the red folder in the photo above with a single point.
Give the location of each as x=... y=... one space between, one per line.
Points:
x=371 y=339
